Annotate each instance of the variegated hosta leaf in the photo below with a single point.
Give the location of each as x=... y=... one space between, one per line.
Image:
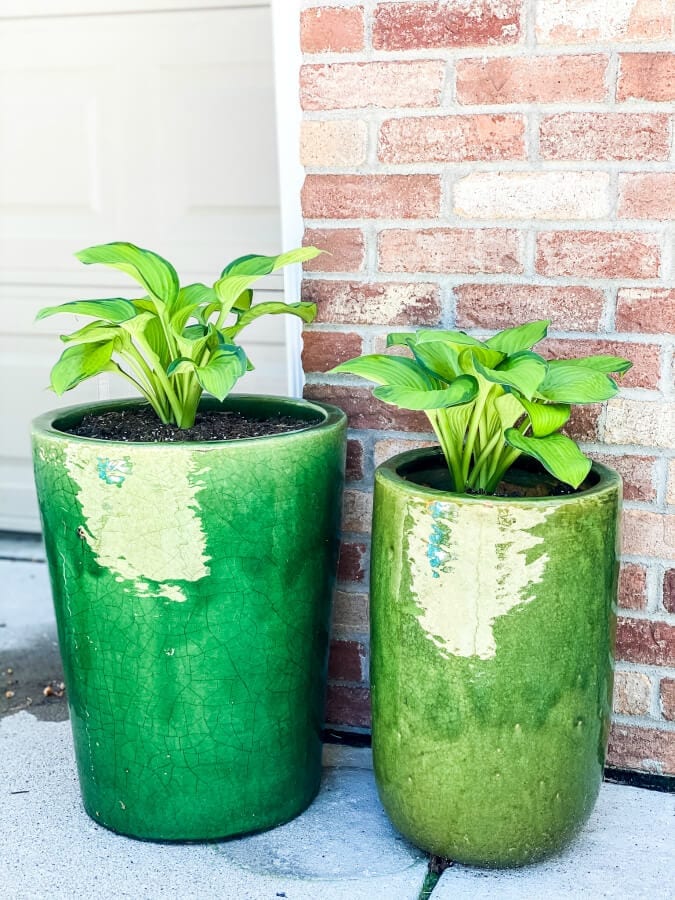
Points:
x=157 y=276
x=462 y=390
x=220 y=374
x=524 y=371
x=522 y=337
x=241 y=273
x=114 y=310
x=606 y=364
x=304 y=310
x=557 y=453
x=79 y=362
x=546 y=418
x=382 y=369
x=565 y=383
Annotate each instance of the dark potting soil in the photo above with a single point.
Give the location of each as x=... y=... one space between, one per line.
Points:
x=142 y=425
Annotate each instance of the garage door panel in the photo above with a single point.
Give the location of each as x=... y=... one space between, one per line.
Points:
x=152 y=127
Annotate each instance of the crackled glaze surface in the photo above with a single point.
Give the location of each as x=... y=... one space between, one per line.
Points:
x=192 y=587
x=491 y=664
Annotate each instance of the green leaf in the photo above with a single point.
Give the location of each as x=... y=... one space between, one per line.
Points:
x=546 y=417
x=79 y=362
x=220 y=374
x=224 y=368
x=383 y=369
x=254 y=265
x=305 y=311
x=523 y=337
x=114 y=310
x=93 y=333
x=558 y=454
x=524 y=371
x=243 y=301
x=440 y=359
x=509 y=409
x=605 y=364
x=462 y=390
x=565 y=383
x=400 y=338
x=157 y=276
x=451 y=337
x=490 y=359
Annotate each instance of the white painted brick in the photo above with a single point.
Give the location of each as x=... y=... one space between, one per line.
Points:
x=333 y=143
x=644 y=423
x=528 y=195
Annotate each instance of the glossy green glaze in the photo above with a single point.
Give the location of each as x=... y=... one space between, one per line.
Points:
x=492 y=631
x=192 y=587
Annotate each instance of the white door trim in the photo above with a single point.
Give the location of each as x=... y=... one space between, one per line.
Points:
x=287 y=62
x=31 y=9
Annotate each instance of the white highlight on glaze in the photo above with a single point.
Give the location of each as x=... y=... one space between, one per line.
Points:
x=146 y=527
x=468 y=566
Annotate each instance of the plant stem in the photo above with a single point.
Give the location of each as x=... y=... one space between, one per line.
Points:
x=439 y=424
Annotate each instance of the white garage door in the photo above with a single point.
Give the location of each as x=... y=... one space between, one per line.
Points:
x=144 y=121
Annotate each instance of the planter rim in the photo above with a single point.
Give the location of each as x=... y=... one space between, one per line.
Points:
x=388 y=471
x=332 y=417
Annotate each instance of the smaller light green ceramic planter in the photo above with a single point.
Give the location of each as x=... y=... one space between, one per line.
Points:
x=491 y=661
x=192 y=585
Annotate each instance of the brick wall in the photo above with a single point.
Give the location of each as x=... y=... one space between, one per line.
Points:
x=477 y=163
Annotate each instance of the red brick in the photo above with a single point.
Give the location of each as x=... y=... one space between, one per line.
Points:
x=387 y=85
x=598 y=254
x=543 y=79
x=632 y=586
x=364 y=411
x=644 y=749
x=646 y=358
x=430 y=25
x=667 y=697
x=637 y=473
x=324 y=349
x=351 y=562
x=645 y=641
x=348 y=706
x=647 y=195
x=583 y=423
x=345 y=249
x=648 y=310
x=354 y=469
x=647 y=76
x=489 y=250
x=347 y=661
x=329 y=29
x=632 y=136
x=503 y=305
x=371 y=196
x=648 y=533
x=452 y=139
x=669 y=590
x=356 y=303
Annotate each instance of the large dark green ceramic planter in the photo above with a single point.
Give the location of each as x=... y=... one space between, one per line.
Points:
x=491 y=661
x=192 y=587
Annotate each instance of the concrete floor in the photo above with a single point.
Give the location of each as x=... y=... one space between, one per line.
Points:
x=341 y=848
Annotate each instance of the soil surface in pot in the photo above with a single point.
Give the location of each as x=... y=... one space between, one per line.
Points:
x=142 y=425
x=528 y=479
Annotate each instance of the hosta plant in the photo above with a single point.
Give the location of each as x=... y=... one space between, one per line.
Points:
x=490 y=402
x=172 y=343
